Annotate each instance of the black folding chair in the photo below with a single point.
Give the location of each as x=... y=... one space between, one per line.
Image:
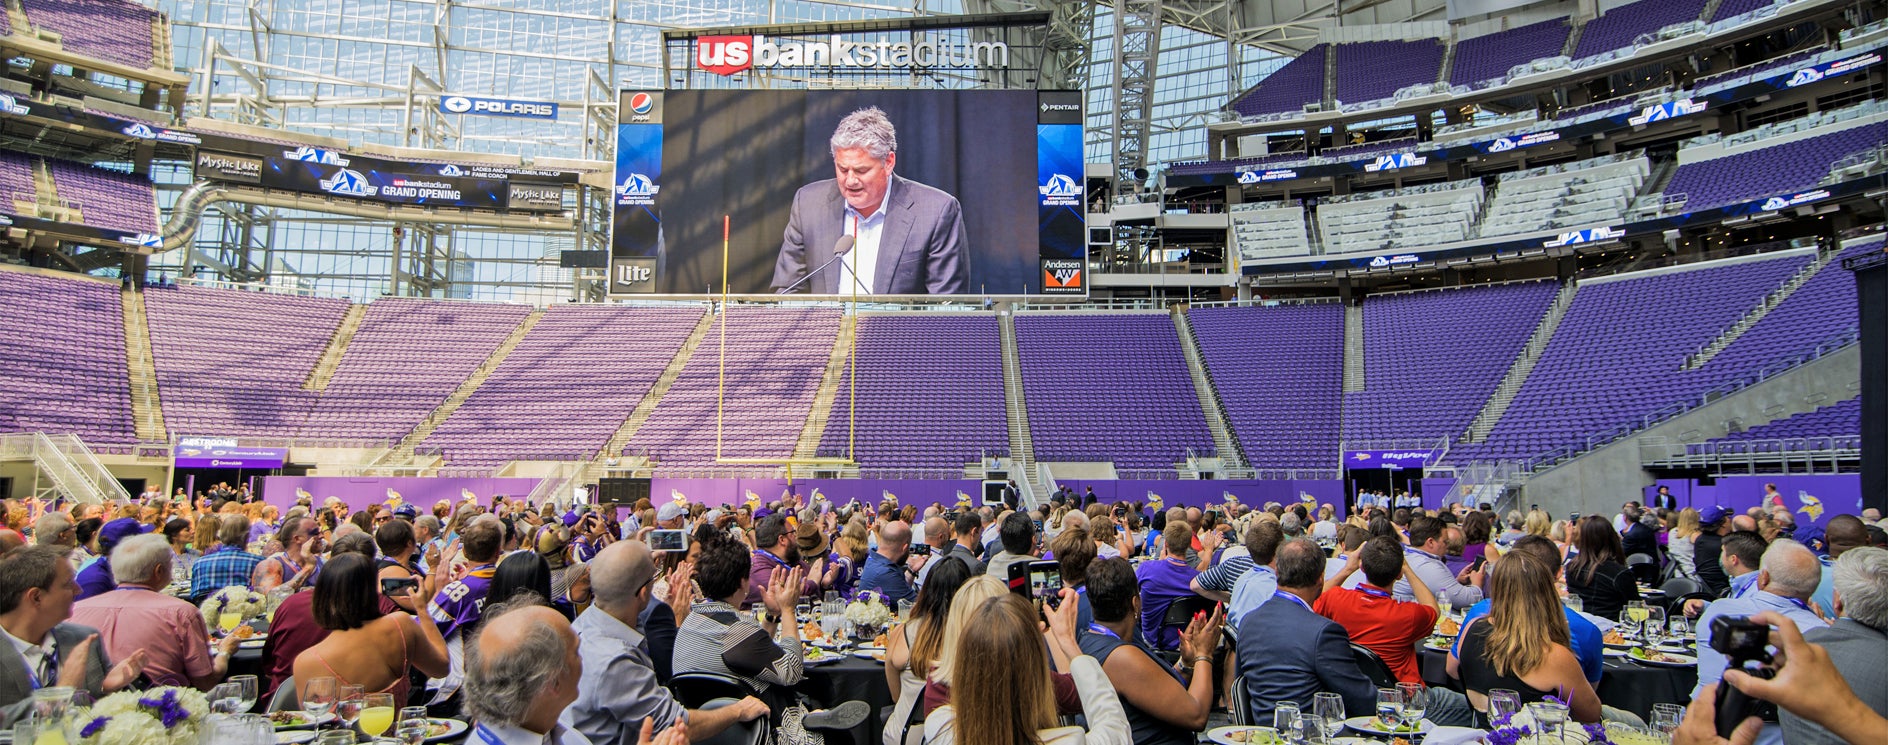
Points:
x=713 y=691
x=1179 y=614
x=1644 y=568
x=1373 y=666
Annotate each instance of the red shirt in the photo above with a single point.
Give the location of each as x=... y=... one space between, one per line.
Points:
x=292 y=632
x=1385 y=625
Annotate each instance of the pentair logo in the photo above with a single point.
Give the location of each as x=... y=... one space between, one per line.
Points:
x=641 y=103
x=457 y=104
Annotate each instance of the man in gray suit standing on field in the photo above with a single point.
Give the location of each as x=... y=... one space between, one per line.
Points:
x=905 y=238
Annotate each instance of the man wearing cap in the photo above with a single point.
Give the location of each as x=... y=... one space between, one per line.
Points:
x=1714 y=523
x=96 y=579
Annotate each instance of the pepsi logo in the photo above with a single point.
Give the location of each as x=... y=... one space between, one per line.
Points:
x=641 y=103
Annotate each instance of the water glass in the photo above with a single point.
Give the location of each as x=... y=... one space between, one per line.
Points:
x=1503 y=705
x=1678 y=627
x=1415 y=702
x=1667 y=717
x=1289 y=723
x=318 y=697
x=247 y=685
x=803 y=611
x=414 y=725
x=1328 y=709
x=347 y=704
x=336 y=737
x=1548 y=714
x=1390 y=707
x=225 y=698
x=1575 y=603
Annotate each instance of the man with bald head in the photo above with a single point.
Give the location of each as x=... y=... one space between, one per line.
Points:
x=937 y=535
x=521 y=672
x=619 y=689
x=1844 y=532
x=1744 y=523
x=1788 y=575
x=885 y=572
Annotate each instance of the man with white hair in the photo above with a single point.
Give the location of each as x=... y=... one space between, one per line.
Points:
x=906 y=238
x=1786 y=579
x=521 y=672
x=138 y=615
x=1857 y=641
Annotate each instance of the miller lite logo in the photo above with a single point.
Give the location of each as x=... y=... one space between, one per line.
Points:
x=721 y=55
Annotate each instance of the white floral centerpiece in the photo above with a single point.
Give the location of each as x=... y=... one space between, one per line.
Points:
x=160 y=715
x=868 y=613
x=239 y=600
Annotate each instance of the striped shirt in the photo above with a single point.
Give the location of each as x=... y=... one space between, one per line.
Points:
x=716 y=638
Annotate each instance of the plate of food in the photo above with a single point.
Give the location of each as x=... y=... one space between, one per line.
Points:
x=817 y=656
x=1613 y=652
x=876 y=656
x=1375 y=726
x=439 y=730
x=282 y=720
x=294 y=736
x=1613 y=638
x=1661 y=659
x=1244 y=735
x=1449 y=627
x=1438 y=643
x=253 y=642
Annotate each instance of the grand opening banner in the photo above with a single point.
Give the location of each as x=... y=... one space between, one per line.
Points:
x=985 y=194
x=332 y=173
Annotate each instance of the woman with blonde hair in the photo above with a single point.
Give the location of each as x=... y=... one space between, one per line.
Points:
x=1538 y=523
x=1001 y=678
x=913 y=648
x=1523 y=644
x=1680 y=541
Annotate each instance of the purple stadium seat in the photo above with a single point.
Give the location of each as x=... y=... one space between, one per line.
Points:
x=232 y=363
x=1276 y=369
x=1620 y=27
x=1287 y=89
x=1109 y=387
x=1489 y=57
x=1377 y=69
x=110 y=30
x=930 y=394
x=63 y=342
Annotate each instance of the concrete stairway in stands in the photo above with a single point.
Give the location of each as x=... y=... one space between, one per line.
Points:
x=404 y=451
x=146 y=410
x=1498 y=402
x=337 y=347
x=843 y=348
x=1824 y=258
x=1022 y=450
x=1354 y=348
x=650 y=400
x=1232 y=458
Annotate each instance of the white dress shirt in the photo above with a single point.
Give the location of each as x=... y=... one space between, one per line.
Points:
x=862 y=260
x=35 y=655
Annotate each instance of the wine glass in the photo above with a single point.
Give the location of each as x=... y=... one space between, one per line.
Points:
x=318 y=697
x=1503 y=705
x=1574 y=603
x=1415 y=703
x=1654 y=624
x=414 y=725
x=803 y=610
x=228 y=621
x=1328 y=708
x=247 y=687
x=1390 y=708
x=225 y=698
x=1549 y=714
x=376 y=714
x=336 y=737
x=347 y=705
x=1289 y=722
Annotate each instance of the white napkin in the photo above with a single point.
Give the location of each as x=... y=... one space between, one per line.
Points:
x=1454 y=736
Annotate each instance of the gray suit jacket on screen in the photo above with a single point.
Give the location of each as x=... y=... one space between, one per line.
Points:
x=920 y=252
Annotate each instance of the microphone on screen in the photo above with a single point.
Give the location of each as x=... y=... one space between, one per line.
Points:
x=841 y=247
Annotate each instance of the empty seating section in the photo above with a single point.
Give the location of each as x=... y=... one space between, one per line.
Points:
x=16 y=178
x=1378 y=69
x=1735 y=8
x=1490 y=57
x=406 y=358
x=1262 y=230
x=111 y=30
x=1842 y=419
x=1821 y=308
x=232 y=363
x=775 y=359
x=1277 y=369
x=1287 y=89
x=1109 y=387
x=930 y=393
x=1620 y=27
x=1762 y=169
x=1407 y=218
x=1617 y=356
x=1565 y=196
x=106 y=199
x=566 y=387
x=63 y=346
x=1422 y=382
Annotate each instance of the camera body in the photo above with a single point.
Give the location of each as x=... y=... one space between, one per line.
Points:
x=1741 y=641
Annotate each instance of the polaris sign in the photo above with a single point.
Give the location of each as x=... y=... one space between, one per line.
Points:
x=730 y=55
x=1590 y=235
x=497 y=107
x=1664 y=111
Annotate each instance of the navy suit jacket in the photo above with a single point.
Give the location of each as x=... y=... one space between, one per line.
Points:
x=920 y=251
x=1289 y=654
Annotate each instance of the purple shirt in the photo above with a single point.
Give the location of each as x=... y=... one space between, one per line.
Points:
x=461 y=604
x=95 y=579
x=761 y=571
x=1163 y=582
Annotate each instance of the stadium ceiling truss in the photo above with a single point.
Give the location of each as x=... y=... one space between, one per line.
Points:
x=372 y=71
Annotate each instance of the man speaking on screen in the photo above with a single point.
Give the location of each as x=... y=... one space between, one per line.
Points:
x=889 y=235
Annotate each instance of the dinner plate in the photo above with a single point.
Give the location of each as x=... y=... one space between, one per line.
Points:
x=294 y=736
x=867 y=655
x=1614 y=653
x=1224 y=735
x=1438 y=645
x=307 y=722
x=1366 y=726
x=1671 y=660
x=827 y=660
x=454 y=728
x=255 y=643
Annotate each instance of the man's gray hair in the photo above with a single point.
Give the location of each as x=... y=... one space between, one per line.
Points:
x=232 y=530
x=47 y=529
x=1861 y=578
x=868 y=130
x=1794 y=570
x=137 y=558
x=428 y=522
x=1291 y=525
x=499 y=688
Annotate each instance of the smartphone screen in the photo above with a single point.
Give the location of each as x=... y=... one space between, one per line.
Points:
x=668 y=540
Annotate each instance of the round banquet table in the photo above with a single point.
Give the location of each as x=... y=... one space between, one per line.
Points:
x=1623 y=685
x=850 y=679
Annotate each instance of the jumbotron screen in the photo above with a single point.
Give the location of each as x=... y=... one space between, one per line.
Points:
x=837 y=193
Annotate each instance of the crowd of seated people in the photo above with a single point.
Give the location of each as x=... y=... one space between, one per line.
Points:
x=563 y=625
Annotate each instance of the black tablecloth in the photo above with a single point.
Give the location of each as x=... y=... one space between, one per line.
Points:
x=1623 y=685
x=851 y=679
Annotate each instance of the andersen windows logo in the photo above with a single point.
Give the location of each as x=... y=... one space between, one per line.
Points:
x=728 y=55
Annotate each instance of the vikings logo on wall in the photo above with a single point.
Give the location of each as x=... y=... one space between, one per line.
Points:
x=1811 y=506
